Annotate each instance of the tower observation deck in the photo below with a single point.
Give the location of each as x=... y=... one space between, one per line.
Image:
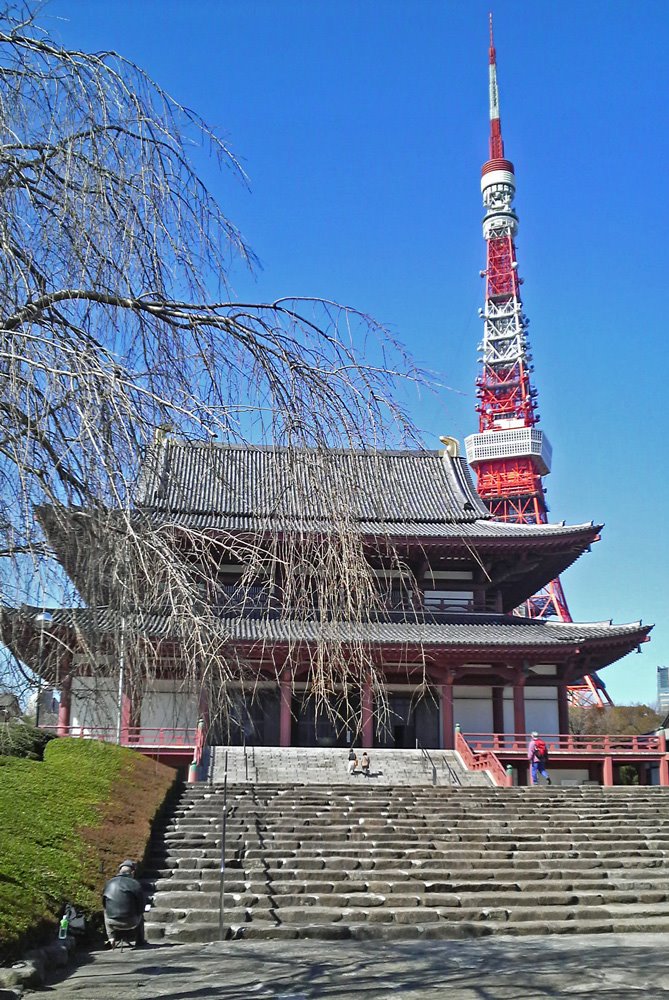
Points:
x=510 y=454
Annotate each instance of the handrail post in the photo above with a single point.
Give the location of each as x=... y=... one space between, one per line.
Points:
x=221 y=899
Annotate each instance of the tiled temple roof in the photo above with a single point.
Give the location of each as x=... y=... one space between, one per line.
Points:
x=465 y=631
x=373 y=486
x=406 y=499
x=407 y=494
x=476 y=531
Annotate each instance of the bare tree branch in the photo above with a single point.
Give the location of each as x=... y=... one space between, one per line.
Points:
x=115 y=321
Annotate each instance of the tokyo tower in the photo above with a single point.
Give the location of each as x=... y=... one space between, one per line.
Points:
x=510 y=454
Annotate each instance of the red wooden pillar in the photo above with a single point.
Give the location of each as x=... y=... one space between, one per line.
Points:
x=519 y=724
x=65 y=706
x=664 y=761
x=367 y=715
x=563 y=710
x=498 y=710
x=664 y=771
x=285 y=716
x=447 y=721
x=607 y=771
x=203 y=708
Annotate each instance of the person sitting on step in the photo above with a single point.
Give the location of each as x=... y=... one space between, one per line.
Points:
x=123 y=904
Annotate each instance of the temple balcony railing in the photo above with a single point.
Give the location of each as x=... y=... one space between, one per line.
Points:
x=455 y=605
x=433 y=612
x=568 y=744
x=184 y=741
x=502 y=754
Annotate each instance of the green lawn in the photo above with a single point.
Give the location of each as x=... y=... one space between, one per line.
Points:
x=64 y=824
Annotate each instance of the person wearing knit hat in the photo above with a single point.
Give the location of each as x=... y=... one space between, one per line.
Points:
x=123 y=904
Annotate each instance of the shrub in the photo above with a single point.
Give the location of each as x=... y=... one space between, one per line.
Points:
x=22 y=739
x=65 y=822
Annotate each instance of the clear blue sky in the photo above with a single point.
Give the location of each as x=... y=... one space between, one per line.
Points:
x=362 y=125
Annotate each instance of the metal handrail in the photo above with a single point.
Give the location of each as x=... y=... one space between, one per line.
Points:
x=426 y=755
x=453 y=776
x=246 y=759
x=221 y=891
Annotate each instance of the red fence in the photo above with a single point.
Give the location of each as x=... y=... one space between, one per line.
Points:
x=569 y=744
x=481 y=760
x=492 y=751
x=138 y=737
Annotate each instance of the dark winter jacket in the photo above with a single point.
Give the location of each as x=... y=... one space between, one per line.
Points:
x=123 y=897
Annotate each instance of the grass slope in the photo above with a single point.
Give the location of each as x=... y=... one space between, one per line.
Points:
x=65 y=823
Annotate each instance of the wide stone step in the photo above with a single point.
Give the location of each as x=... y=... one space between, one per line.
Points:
x=305 y=834
x=390 y=838
x=417 y=815
x=337 y=825
x=366 y=931
x=203 y=887
x=556 y=867
x=208 y=884
x=365 y=899
x=318 y=856
x=208 y=900
x=463 y=874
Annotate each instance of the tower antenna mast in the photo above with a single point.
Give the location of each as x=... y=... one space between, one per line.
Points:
x=510 y=454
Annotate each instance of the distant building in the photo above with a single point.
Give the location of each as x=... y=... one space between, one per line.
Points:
x=9 y=706
x=663 y=690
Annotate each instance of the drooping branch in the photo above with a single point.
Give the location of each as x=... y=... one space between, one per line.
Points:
x=116 y=321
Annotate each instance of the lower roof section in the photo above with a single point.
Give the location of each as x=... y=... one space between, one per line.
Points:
x=465 y=637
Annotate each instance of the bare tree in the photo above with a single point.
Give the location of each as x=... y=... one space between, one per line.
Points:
x=625 y=720
x=116 y=322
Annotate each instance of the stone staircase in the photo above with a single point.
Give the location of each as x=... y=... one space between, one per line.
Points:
x=317 y=765
x=362 y=860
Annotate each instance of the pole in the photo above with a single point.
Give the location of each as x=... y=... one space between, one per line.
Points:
x=40 y=659
x=221 y=895
x=44 y=618
x=121 y=683
x=37 y=701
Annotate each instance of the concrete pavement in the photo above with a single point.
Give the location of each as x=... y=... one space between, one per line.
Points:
x=492 y=968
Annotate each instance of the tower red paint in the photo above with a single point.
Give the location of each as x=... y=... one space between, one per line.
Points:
x=510 y=454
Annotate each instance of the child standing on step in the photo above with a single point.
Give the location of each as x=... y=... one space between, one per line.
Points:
x=352 y=761
x=364 y=763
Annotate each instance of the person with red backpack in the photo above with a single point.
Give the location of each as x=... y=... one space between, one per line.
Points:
x=537 y=754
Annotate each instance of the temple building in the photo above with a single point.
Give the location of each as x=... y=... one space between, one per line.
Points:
x=440 y=635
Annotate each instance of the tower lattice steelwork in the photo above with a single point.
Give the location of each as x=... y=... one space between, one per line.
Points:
x=510 y=454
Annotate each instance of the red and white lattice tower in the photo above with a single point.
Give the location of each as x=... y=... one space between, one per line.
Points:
x=510 y=454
